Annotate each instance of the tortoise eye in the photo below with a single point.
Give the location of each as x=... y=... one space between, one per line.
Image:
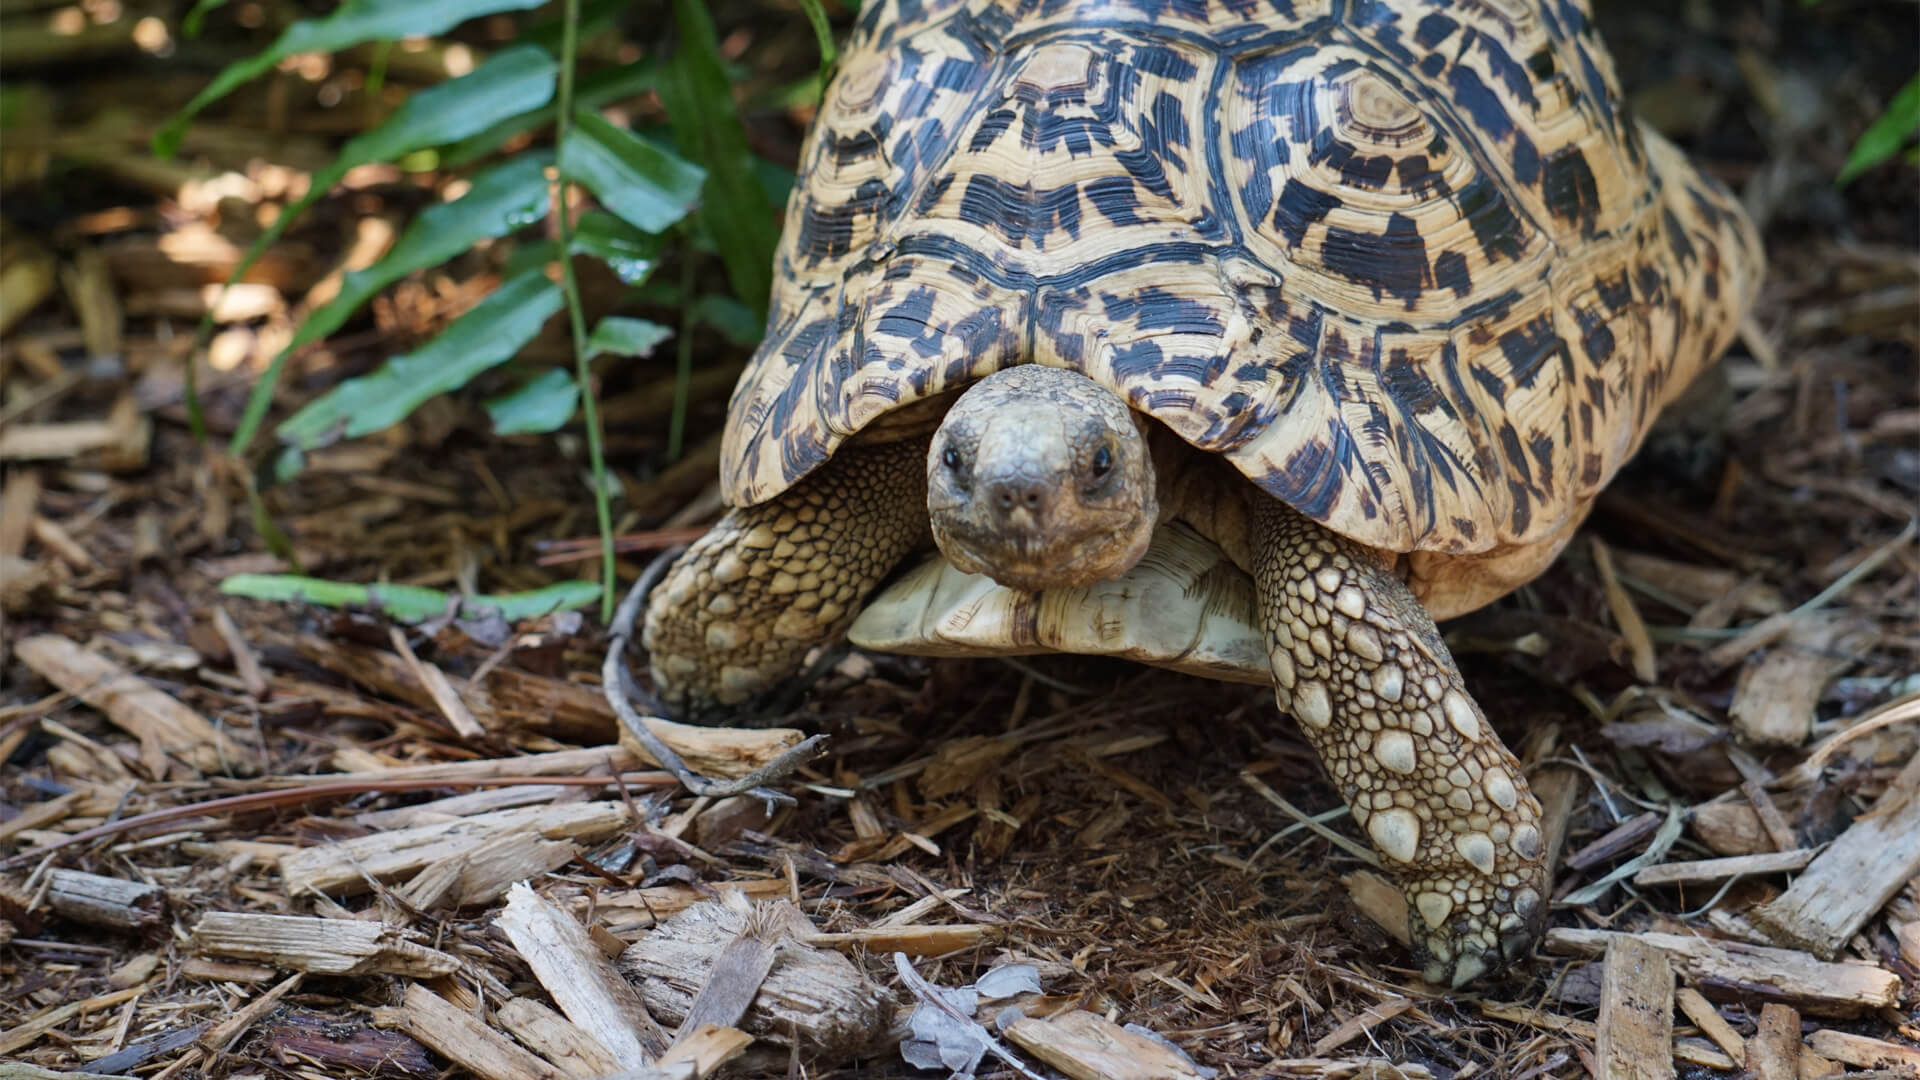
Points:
x=1102 y=461
x=950 y=458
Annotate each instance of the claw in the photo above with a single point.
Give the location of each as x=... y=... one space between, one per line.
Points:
x=1468 y=969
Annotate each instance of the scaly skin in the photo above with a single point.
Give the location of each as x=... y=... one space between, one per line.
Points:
x=1359 y=663
x=739 y=611
x=1355 y=656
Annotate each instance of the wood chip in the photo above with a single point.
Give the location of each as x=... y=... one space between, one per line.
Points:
x=1774 y=1051
x=915 y=941
x=335 y=1046
x=735 y=977
x=1863 y=1051
x=1088 y=1046
x=133 y=705
x=1730 y=828
x=319 y=946
x=244 y=661
x=220 y=1037
x=1690 y=873
x=706 y=1048
x=484 y=872
x=641 y=908
x=56 y=540
x=1774 y=700
x=448 y=700
x=1634 y=1037
x=349 y=867
x=1381 y=901
x=577 y=975
x=1711 y=1024
x=818 y=998
x=211 y=970
x=465 y=1041
x=20 y=1070
x=1754 y=971
x=1356 y=1026
x=1685 y=1050
x=588 y=761
x=556 y=1038
x=118 y=443
x=1625 y=615
x=28 y=1031
x=1624 y=837
x=1769 y=815
x=1854 y=877
x=40 y=815
x=17 y=501
x=112 y=903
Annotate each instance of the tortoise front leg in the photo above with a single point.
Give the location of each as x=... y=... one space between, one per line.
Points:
x=739 y=611
x=1357 y=660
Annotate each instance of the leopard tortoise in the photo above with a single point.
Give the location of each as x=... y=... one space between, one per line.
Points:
x=1370 y=296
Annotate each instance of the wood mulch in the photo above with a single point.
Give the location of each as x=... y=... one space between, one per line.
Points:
x=241 y=839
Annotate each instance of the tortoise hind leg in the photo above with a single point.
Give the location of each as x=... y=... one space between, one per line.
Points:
x=1357 y=660
x=739 y=611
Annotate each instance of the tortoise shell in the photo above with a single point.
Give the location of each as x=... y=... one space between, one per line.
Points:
x=1407 y=264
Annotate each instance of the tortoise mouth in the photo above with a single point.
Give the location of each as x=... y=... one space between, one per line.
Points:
x=1045 y=556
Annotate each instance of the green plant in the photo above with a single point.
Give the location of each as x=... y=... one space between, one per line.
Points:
x=1893 y=130
x=705 y=193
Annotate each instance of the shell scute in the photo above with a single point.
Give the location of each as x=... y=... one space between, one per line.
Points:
x=1411 y=269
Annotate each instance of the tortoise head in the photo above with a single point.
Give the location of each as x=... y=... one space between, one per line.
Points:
x=1041 y=477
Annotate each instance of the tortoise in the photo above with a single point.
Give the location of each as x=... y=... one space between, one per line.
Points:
x=1371 y=296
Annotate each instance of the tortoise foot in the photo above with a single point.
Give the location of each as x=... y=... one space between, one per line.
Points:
x=1467 y=928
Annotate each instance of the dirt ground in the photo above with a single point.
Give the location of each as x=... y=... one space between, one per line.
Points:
x=1121 y=829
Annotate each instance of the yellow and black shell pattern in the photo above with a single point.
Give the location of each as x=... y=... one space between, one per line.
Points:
x=1407 y=264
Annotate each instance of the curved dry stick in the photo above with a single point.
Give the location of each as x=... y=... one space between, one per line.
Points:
x=619 y=686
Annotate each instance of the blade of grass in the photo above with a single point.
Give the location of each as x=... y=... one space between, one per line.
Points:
x=1886 y=135
x=734 y=208
x=683 y=359
x=576 y=315
x=408 y=602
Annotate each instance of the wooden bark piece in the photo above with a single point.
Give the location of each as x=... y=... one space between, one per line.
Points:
x=915 y=941
x=467 y=1042
x=1636 y=1012
x=1863 y=1051
x=113 y=903
x=347 y=867
x=1711 y=1024
x=1736 y=969
x=133 y=705
x=1774 y=700
x=578 y=977
x=706 y=1048
x=1774 y=1051
x=1088 y=1046
x=482 y=873
x=320 y=946
x=1702 y=870
x=1854 y=877
x=735 y=977
x=336 y=1046
x=220 y=1037
x=558 y=1039
x=812 y=996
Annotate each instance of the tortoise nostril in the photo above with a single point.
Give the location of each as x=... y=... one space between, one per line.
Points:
x=1011 y=495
